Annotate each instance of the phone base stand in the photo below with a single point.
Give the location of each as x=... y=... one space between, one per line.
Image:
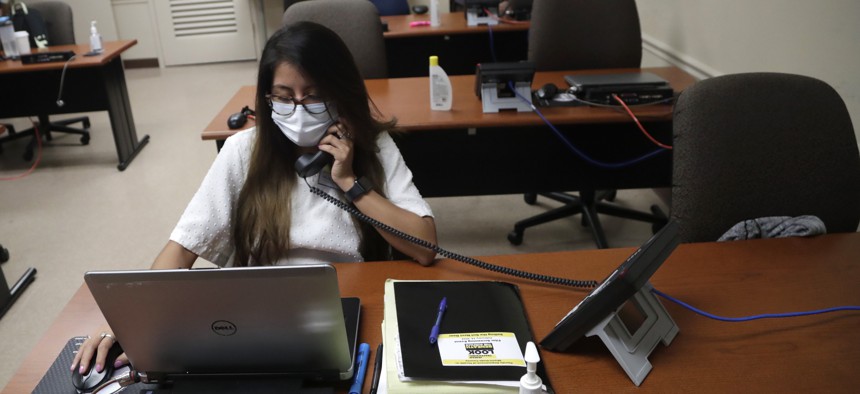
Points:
x=632 y=350
x=476 y=16
x=495 y=98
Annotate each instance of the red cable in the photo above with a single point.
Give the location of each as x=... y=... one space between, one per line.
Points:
x=38 y=157
x=635 y=119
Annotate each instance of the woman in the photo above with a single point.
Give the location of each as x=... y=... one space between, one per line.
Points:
x=253 y=209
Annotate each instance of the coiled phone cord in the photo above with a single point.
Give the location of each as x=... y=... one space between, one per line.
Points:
x=451 y=255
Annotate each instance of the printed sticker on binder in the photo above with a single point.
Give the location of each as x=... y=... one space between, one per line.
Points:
x=476 y=349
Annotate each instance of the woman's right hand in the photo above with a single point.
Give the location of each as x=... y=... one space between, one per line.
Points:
x=97 y=344
x=96 y=347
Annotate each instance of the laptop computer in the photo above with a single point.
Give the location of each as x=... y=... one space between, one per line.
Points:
x=268 y=321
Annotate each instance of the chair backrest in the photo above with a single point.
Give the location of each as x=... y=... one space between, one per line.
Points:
x=288 y=3
x=58 y=21
x=391 y=7
x=584 y=34
x=762 y=144
x=358 y=25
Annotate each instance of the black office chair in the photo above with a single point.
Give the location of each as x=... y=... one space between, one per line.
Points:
x=584 y=34
x=358 y=25
x=391 y=7
x=288 y=3
x=58 y=22
x=762 y=144
x=10 y=134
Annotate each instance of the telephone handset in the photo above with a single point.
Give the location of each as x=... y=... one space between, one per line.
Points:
x=311 y=164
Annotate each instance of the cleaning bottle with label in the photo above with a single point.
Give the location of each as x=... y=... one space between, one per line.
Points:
x=95 y=39
x=440 y=87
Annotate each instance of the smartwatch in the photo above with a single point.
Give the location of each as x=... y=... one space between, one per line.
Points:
x=359 y=188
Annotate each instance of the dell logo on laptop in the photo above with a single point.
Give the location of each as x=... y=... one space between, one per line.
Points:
x=224 y=328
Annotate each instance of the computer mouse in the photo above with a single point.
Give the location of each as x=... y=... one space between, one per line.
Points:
x=237 y=120
x=91 y=379
x=419 y=9
x=547 y=92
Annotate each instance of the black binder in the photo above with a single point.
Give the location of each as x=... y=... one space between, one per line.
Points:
x=473 y=306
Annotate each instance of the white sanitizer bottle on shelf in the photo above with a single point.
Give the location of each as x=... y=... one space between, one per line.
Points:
x=440 y=87
x=95 y=39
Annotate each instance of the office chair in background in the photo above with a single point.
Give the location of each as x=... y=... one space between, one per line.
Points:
x=358 y=25
x=385 y=7
x=581 y=35
x=288 y=3
x=7 y=133
x=762 y=144
x=391 y=7
x=61 y=31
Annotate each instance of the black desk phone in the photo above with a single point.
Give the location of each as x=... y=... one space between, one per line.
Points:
x=310 y=164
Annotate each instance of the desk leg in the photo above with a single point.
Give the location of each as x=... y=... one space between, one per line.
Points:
x=7 y=295
x=121 y=119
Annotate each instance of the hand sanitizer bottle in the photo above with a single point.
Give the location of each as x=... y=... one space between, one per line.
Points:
x=95 y=39
x=434 y=13
x=530 y=383
x=440 y=87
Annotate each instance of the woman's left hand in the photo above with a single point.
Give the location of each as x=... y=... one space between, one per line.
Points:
x=338 y=142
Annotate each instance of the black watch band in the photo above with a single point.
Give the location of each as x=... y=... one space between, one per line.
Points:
x=359 y=188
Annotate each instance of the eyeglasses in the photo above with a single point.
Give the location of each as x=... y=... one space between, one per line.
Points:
x=286 y=106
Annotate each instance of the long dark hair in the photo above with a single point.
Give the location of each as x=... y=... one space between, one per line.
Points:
x=262 y=216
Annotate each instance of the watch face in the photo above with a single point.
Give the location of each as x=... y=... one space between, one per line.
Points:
x=359 y=188
x=365 y=184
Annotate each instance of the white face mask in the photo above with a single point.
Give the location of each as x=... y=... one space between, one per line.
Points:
x=302 y=127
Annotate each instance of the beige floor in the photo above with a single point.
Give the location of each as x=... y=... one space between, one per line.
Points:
x=76 y=212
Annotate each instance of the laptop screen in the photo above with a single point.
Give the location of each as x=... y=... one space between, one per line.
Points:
x=281 y=320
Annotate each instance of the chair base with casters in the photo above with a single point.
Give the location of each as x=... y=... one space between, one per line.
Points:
x=11 y=135
x=589 y=203
x=8 y=295
x=57 y=125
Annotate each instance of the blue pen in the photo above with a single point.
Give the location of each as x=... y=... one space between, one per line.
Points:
x=434 y=332
x=363 y=356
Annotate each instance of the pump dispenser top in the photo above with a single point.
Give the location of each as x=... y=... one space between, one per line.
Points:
x=95 y=38
x=531 y=383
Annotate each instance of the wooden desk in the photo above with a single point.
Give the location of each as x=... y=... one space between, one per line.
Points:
x=92 y=83
x=459 y=47
x=408 y=99
x=450 y=23
x=803 y=354
x=466 y=152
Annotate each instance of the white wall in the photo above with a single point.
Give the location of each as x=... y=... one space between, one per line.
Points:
x=819 y=38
